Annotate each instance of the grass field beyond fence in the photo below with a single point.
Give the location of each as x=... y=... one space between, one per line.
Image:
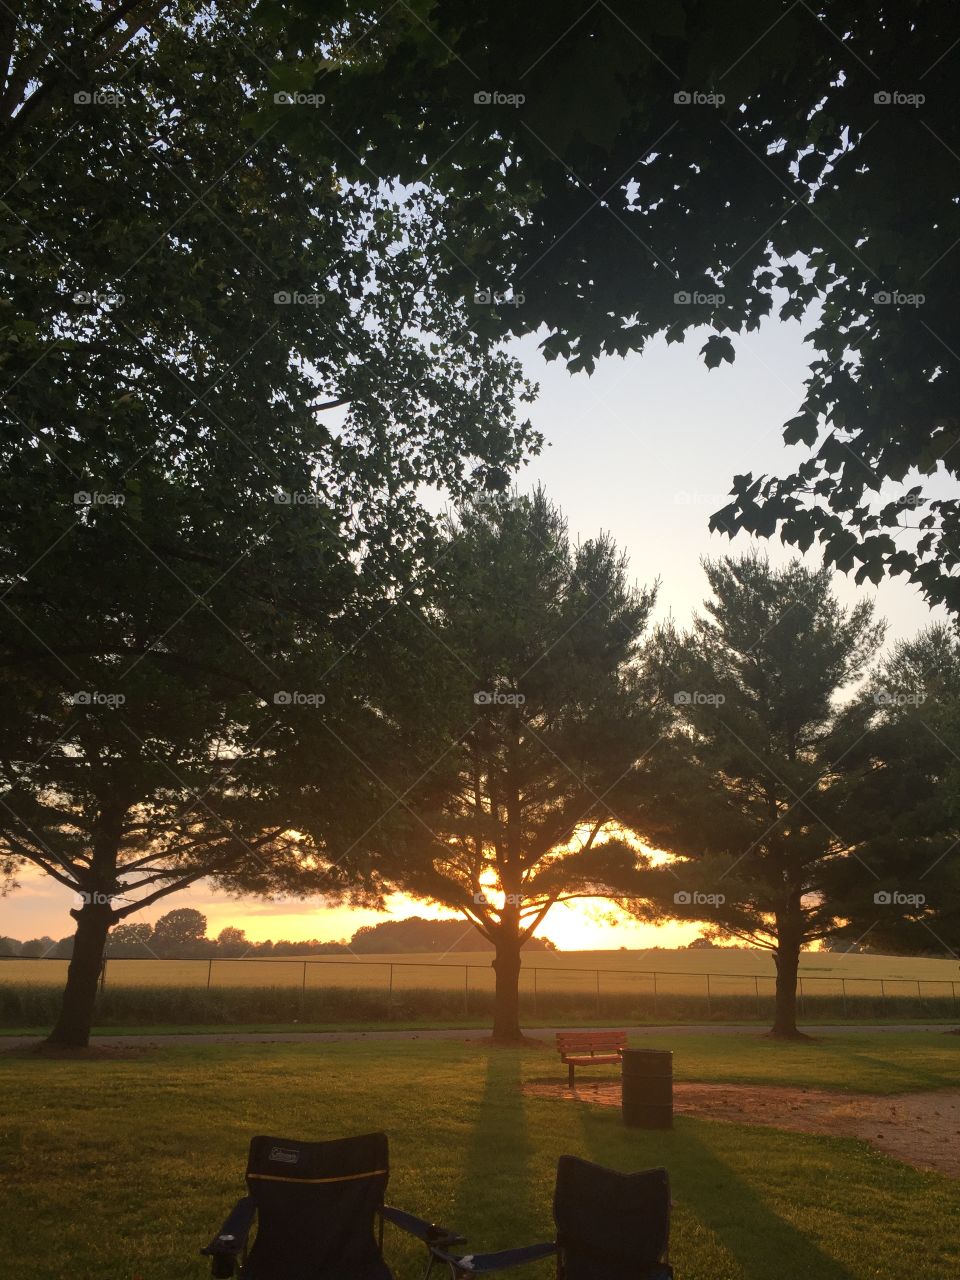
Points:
x=639 y=987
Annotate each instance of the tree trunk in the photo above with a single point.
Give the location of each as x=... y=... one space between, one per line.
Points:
x=76 y=1010
x=787 y=959
x=506 y=1009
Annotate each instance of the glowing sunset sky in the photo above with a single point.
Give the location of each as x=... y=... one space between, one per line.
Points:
x=41 y=906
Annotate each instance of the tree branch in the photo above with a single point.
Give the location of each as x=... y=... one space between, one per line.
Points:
x=160 y=893
x=331 y=404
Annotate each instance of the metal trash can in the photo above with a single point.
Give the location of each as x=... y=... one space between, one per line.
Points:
x=647 y=1100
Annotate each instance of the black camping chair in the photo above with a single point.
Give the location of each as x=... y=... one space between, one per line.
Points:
x=319 y=1212
x=610 y=1226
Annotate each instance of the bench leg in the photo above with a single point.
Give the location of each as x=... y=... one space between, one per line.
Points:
x=570 y=1070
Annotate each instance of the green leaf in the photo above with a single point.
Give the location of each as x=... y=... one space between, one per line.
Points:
x=716 y=350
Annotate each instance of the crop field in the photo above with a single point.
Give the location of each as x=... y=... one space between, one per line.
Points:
x=569 y=987
x=731 y=972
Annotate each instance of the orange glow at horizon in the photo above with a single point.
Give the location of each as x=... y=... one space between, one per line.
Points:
x=590 y=924
x=41 y=906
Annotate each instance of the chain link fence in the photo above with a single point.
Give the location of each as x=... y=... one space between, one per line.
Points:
x=220 y=989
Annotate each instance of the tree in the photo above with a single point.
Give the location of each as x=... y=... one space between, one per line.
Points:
x=700 y=167
x=756 y=687
x=902 y=892
x=417 y=935
x=179 y=930
x=232 y=941
x=35 y=948
x=534 y=654
x=49 y=55
x=192 y=546
x=130 y=939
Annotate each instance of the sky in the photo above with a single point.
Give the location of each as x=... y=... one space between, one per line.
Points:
x=645 y=450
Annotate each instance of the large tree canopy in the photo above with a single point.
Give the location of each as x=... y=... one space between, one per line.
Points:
x=227 y=376
x=644 y=170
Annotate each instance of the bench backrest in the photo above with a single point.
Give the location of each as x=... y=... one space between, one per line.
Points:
x=590 y=1041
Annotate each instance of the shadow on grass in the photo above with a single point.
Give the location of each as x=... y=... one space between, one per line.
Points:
x=762 y=1243
x=498 y=1198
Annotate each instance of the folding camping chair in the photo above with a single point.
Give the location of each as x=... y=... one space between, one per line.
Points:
x=319 y=1212
x=610 y=1226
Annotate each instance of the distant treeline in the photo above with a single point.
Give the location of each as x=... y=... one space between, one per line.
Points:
x=183 y=933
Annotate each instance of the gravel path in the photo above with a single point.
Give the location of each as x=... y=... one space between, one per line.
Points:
x=441 y=1033
x=922 y=1129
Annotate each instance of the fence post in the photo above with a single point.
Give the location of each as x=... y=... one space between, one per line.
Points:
x=843 y=989
x=919 y=996
x=536 y=1005
x=390 y=991
x=956 y=1006
x=709 y=1004
x=209 y=971
x=466 y=988
x=598 y=993
x=756 y=988
x=303 y=986
x=654 y=993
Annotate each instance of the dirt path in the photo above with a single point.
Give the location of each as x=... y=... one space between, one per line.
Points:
x=922 y=1129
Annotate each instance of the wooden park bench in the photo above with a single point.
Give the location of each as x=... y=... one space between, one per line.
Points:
x=589 y=1048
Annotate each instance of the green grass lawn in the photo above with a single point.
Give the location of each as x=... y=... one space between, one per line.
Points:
x=121 y=1169
x=904 y=1062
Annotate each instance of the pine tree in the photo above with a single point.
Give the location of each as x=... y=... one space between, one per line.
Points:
x=756 y=683
x=535 y=655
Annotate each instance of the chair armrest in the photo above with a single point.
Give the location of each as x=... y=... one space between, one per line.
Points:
x=231 y=1239
x=428 y=1232
x=480 y=1263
